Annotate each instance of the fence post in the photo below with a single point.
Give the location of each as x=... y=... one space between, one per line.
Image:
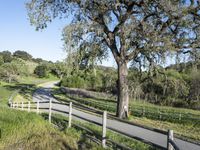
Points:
x=22 y=108
x=50 y=106
x=38 y=107
x=160 y=115
x=13 y=105
x=70 y=115
x=104 y=122
x=29 y=106
x=143 y=111
x=170 y=136
x=180 y=116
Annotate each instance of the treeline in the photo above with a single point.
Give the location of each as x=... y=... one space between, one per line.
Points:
x=177 y=85
x=20 y=63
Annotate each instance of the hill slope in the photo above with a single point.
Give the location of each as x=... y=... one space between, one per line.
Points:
x=22 y=130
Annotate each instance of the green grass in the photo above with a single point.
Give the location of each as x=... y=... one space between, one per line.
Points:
x=35 y=80
x=22 y=130
x=26 y=85
x=97 y=130
x=4 y=93
x=189 y=131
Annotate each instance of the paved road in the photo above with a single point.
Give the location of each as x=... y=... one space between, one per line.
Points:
x=43 y=94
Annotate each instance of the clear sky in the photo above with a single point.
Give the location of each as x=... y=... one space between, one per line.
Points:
x=16 y=33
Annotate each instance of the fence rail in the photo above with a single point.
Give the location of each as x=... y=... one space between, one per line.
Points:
x=140 y=111
x=35 y=106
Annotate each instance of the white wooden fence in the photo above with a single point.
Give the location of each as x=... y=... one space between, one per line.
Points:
x=170 y=142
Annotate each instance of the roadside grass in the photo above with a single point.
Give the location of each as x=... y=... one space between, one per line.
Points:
x=26 y=87
x=19 y=98
x=148 y=114
x=183 y=131
x=137 y=107
x=4 y=94
x=22 y=130
x=61 y=121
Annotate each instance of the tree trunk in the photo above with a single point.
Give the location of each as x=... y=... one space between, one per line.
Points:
x=123 y=96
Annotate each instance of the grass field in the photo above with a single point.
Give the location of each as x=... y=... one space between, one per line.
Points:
x=147 y=114
x=22 y=130
x=4 y=93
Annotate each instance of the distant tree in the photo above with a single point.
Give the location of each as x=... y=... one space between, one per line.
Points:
x=58 y=69
x=7 y=56
x=41 y=71
x=37 y=60
x=1 y=60
x=143 y=31
x=194 y=83
x=22 y=66
x=22 y=54
x=8 y=72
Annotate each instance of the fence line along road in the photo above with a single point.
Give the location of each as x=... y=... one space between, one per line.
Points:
x=155 y=138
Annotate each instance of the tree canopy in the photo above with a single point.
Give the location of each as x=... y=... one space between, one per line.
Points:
x=7 y=56
x=142 y=31
x=22 y=54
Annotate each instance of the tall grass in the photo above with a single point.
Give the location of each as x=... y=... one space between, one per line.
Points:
x=4 y=94
x=97 y=133
x=22 y=130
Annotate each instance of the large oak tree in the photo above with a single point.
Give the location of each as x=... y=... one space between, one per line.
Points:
x=142 y=31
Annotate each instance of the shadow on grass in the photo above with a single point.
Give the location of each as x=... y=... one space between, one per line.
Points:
x=24 y=89
x=88 y=94
x=84 y=142
x=82 y=98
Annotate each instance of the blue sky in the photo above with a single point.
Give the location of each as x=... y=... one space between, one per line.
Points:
x=16 y=33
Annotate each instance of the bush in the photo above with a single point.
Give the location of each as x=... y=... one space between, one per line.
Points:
x=195 y=105
x=7 y=56
x=41 y=71
x=180 y=103
x=73 y=82
x=22 y=54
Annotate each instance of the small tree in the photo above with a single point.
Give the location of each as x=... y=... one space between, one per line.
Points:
x=140 y=31
x=9 y=72
x=41 y=71
x=22 y=54
x=7 y=56
x=1 y=60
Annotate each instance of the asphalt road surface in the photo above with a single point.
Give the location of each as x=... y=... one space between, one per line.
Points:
x=43 y=94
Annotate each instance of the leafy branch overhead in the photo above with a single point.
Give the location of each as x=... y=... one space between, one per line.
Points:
x=141 y=31
x=130 y=29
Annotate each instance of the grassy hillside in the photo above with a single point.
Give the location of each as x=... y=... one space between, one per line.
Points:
x=24 y=130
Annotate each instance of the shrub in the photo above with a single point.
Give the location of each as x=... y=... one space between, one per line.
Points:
x=180 y=103
x=41 y=71
x=73 y=82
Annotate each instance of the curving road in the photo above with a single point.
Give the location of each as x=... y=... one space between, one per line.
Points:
x=43 y=94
